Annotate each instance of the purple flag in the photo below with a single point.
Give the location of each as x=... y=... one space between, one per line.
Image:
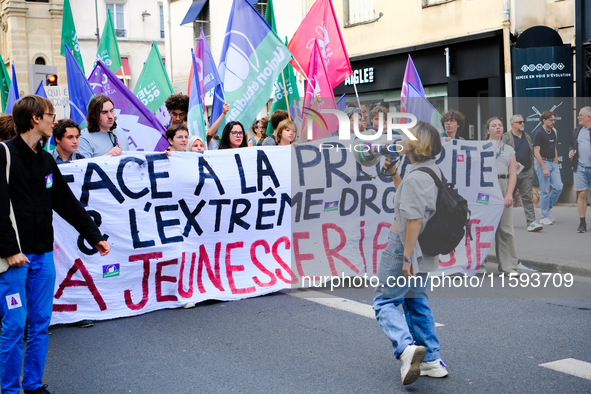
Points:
x=144 y=131
x=410 y=76
x=208 y=72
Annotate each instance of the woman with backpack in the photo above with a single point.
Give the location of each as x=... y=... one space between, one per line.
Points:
x=403 y=268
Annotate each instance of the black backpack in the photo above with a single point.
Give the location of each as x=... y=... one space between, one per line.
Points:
x=447 y=227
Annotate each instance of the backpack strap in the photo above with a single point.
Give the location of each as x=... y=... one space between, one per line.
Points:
x=438 y=182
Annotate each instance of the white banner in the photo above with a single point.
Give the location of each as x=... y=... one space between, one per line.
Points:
x=219 y=225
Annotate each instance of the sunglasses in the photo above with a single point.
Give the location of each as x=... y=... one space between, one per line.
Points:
x=520 y=122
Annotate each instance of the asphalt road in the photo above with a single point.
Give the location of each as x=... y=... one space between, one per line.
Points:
x=492 y=341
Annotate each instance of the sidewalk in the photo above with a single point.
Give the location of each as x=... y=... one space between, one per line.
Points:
x=557 y=248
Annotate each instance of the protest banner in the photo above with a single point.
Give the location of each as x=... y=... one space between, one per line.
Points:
x=224 y=224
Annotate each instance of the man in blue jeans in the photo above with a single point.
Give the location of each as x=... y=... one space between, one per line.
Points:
x=545 y=152
x=35 y=189
x=580 y=156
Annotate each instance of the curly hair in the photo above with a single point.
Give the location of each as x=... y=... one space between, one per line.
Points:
x=453 y=115
x=177 y=101
x=94 y=113
x=60 y=128
x=225 y=139
x=7 y=131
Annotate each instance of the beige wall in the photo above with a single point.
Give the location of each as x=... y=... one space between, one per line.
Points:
x=405 y=23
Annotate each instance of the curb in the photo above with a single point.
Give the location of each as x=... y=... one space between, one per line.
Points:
x=549 y=267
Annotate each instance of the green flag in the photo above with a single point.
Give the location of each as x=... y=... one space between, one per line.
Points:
x=153 y=86
x=69 y=35
x=291 y=88
x=108 y=50
x=4 y=85
x=270 y=16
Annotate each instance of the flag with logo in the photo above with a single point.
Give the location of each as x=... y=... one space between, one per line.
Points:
x=195 y=120
x=419 y=106
x=206 y=68
x=319 y=86
x=252 y=59
x=410 y=76
x=153 y=86
x=13 y=94
x=108 y=50
x=144 y=131
x=79 y=90
x=320 y=23
x=4 y=85
x=69 y=35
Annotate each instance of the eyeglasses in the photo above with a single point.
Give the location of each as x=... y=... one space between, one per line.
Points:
x=238 y=133
x=520 y=122
x=46 y=113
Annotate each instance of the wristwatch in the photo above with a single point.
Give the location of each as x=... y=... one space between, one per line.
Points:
x=409 y=260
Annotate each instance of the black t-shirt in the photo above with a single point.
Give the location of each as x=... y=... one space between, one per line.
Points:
x=522 y=151
x=546 y=141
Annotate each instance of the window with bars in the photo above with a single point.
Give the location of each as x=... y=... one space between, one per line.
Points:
x=203 y=21
x=161 y=14
x=118 y=15
x=359 y=11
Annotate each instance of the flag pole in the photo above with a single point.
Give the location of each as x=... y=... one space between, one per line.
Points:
x=357 y=95
x=285 y=92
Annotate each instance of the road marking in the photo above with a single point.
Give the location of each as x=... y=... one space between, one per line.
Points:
x=338 y=303
x=571 y=366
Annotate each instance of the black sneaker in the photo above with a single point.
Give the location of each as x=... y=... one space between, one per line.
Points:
x=85 y=323
x=39 y=390
x=582 y=227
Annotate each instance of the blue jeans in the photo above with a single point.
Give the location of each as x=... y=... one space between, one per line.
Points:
x=26 y=296
x=417 y=323
x=547 y=198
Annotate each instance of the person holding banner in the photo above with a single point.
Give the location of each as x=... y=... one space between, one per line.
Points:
x=452 y=121
x=414 y=204
x=286 y=132
x=102 y=137
x=34 y=189
x=196 y=144
x=178 y=137
x=233 y=136
x=505 y=249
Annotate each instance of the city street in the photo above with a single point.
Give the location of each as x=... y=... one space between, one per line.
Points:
x=491 y=340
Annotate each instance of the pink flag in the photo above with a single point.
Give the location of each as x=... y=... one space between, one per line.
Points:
x=410 y=76
x=323 y=125
x=321 y=23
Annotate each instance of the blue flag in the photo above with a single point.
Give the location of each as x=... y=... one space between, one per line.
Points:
x=252 y=59
x=342 y=103
x=418 y=105
x=195 y=120
x=12 y=93
x=144 y=132
x=79 y=90
x=206 y=65
x=217 y=108
x=41 y=90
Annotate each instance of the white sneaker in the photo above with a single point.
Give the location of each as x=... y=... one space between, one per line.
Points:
x=189 y=305
x=411 y=359
x=434 y=369
x=534 y=227
x=546 y=221
x=551 y=217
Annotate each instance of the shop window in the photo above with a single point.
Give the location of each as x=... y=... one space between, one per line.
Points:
x=118 y=15
x=429 y=3
x=359 y=11
x=203 y=21
x=261 y=7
